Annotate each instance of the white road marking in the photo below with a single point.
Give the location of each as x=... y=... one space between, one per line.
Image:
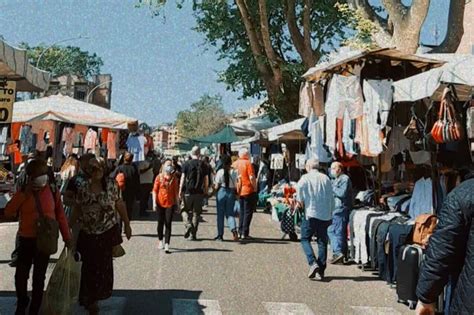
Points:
x=374 y=310
x=274 y=308
x=194 y=307
x=112 y=306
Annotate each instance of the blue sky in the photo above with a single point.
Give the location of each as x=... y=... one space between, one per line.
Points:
x=158 y=67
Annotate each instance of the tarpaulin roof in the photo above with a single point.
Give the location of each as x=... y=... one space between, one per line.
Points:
x=288 y=131
x=338 y=61
x=249 y=126
x=226 y=135
x=67 y=109
x=459 y=69
x=14 y=66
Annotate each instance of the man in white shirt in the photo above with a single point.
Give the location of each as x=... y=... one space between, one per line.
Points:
x=316 y=197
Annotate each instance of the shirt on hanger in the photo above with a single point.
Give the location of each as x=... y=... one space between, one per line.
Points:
x=90 y=141
x=68 y=138
x=112 y=145
x=136 y=146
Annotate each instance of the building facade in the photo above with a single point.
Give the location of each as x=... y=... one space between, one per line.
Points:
x=97 y=91
x=160 y=139
x=467 y=41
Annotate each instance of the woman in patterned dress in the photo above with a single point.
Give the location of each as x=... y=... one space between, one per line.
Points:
x=97 y=209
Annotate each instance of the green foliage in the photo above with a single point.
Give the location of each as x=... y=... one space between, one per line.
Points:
x=364 y=28
x=61 y=60
x=205 y=116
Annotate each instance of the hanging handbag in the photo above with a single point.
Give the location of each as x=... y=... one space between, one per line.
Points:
x=47 y=230
x=447 y=128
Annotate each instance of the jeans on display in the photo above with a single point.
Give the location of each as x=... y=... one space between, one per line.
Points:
x=225 y=209
x=28 y=255
x=337 y=233
x=248 y=204
x=313 y=227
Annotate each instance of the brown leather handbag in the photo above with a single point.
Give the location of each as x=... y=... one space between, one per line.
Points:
x=425 y=225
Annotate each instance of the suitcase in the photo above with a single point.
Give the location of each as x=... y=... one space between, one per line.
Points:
x=409 y=261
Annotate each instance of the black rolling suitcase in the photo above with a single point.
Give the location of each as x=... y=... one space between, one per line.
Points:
x=409 y=261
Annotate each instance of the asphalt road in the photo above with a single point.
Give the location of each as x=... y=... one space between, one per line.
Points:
x=264 y=276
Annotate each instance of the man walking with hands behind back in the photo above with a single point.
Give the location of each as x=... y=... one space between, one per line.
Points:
x=194 y=186
x=315 y=196
x=247 y=189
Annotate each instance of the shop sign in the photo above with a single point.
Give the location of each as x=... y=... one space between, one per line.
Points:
x=7 y=98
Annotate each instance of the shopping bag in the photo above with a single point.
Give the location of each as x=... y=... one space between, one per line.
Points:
x=63 y=287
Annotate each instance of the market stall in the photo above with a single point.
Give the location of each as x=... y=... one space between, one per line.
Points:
x=390 y=138
x=58 y=126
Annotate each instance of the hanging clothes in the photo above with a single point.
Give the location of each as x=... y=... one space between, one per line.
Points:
x=149 y=146
x=422 y=198
x=315 y=148
x=344 y=94
x=305 y=99
x=378 y=93
x=26 y=138
x=397 y=142
x=136 y=146
x=104 y=135
x=3 y=140
x=112 y=145
x=90 y=141
x=68 y=139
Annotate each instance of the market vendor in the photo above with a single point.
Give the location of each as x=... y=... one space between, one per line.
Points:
x=342 y=188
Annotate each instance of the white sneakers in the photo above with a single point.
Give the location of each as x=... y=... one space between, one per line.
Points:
x=164 y=246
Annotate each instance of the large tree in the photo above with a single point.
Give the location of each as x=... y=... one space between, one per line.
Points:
x=205 y=116
x=61 y=60
x=268 y=43
x=400 y=22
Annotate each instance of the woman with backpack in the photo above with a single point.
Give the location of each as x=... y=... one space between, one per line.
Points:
x=225 y=184
x=37 y=203
x=165 y=202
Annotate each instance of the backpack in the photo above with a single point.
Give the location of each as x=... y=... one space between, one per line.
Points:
x=120 y=179
x=425 y=225
x=195 y=174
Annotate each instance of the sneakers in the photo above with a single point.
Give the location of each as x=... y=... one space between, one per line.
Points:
x=313 y=270
x=336 y=259
x=188 y=232
x=319 y=276
x=160 y=245
x=167 y=248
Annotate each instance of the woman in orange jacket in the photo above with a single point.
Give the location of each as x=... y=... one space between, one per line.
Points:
x=24 y=205
x=165 y=202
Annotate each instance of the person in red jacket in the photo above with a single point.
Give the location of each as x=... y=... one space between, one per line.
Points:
x=165 y=202
x=23 y=205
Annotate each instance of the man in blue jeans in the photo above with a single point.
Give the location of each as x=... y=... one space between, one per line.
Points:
x=342 y=188
x=315 y=196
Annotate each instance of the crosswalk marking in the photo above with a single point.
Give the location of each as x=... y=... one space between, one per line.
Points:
x=274 y=308
x=374 y=310
x=194 y=307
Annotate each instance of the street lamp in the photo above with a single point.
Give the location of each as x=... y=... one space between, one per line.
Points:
x=95 y=88
x=58 y=42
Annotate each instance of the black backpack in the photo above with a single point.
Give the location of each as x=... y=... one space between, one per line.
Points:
x=194 y=176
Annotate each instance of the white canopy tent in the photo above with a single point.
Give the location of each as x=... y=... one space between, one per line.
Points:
x=69 y=110
x=289 y=131
x=250 y=126
x=458 y=70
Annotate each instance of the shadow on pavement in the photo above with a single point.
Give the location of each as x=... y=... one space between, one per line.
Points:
x=154 y=235
x=265 y=241
x=198 y=250
x=157 y=301
x=356 y=279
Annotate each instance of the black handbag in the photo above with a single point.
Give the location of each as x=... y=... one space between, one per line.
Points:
x=47 y=230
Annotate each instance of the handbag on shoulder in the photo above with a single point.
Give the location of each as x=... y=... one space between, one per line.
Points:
x=47 y=230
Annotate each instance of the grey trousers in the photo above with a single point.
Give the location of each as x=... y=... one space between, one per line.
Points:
x=192 y=212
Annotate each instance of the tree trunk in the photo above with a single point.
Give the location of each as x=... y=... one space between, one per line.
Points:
x=455 y=28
